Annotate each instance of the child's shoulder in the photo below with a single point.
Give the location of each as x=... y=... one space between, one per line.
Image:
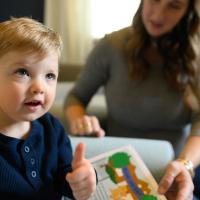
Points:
x=50 y=125
x=50 y=120
x=48 y=117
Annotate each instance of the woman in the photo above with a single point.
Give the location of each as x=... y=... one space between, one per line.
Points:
x=150 y=74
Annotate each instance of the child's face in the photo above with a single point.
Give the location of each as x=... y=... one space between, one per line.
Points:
x=161 y=16
x=27 y=85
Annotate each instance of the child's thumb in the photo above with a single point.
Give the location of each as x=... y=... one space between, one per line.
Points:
x=79 y=155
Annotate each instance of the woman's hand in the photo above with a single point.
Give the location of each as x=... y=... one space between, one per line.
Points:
x=177 y=182
x=86 y=125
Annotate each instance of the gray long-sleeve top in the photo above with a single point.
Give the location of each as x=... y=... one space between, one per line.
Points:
x=139 y=109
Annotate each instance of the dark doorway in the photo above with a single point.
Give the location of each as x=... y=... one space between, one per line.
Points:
x=22 y=8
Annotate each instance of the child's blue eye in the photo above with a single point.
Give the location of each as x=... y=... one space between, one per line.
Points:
x=22 y=72
x=51 y=76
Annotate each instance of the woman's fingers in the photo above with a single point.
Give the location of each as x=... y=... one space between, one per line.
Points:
x=177 y=183
x=87 y=125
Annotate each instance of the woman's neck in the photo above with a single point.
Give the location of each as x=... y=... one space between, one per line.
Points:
x=154 y=43
x=152 y=54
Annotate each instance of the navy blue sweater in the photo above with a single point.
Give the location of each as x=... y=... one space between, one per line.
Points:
x=35 y=168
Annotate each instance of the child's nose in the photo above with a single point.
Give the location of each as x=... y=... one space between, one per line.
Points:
x=37 y=87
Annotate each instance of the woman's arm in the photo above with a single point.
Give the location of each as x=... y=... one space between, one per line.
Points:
x=191 y=150
x=93 y=76
x=180 y=172
x=80 y=123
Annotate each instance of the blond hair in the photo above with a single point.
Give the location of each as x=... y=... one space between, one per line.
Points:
x=28 y=35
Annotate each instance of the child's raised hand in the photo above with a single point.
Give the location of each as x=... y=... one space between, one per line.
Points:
x=83 y=177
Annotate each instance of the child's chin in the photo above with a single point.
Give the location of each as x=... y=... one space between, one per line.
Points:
x=34 y=117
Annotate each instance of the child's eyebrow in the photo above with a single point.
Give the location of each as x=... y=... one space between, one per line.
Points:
x=23 y=64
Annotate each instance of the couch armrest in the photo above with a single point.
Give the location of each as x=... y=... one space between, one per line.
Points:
x=156 y=154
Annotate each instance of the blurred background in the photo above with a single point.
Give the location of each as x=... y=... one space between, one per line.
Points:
x=80 y=22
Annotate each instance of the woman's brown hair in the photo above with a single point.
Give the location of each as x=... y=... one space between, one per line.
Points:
x=176 y=48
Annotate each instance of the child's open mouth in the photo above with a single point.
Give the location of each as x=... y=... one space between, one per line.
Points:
x=33 y=103
x=33 y=106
